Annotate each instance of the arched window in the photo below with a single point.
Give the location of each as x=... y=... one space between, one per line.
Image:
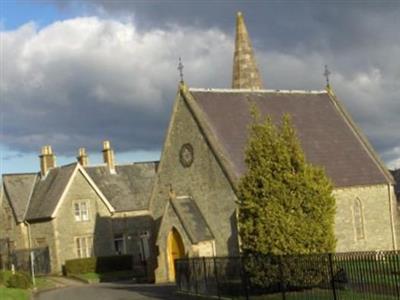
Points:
x=358 y=219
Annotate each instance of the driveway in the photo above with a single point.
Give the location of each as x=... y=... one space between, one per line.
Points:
x=113 y=291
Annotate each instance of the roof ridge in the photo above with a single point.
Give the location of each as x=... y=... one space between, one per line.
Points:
x=24 y=173
x=125 y=164
x=223 y=90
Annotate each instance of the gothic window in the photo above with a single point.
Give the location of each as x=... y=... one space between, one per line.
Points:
x=358 y=219
x=81 y=211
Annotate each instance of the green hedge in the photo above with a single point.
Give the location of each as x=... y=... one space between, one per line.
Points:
x=4 y=275
x=101 y=264
x=19 y=280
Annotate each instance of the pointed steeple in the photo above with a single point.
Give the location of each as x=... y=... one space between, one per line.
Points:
x=245 y=71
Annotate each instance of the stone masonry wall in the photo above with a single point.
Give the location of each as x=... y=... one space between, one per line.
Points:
x=44 y=231
x=376 y=218
x=204 y=181
x=98 y=226
x=16 y=233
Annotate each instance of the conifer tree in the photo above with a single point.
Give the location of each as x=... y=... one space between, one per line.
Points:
x=285 y=204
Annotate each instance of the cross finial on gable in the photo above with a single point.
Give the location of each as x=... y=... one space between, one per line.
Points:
x=326 y=74
x=180 y=68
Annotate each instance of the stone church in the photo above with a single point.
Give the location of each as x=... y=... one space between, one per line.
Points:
x=194 y=199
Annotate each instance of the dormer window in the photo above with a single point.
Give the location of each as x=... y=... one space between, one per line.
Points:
x=81 y=211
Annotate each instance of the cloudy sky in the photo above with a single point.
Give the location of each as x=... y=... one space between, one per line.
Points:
x=74 y=73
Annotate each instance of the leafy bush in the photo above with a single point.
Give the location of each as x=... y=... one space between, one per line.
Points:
x=101 y=264
x=19 y=281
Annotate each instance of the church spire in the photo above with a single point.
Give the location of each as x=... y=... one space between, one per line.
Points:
x=245 y=71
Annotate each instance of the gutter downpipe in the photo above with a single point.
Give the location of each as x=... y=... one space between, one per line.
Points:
x=31 y=254
x=392 y=217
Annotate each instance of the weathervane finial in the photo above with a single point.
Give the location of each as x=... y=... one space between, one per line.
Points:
x=180 y=68
x=326 y=74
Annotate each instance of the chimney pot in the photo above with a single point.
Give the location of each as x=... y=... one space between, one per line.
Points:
x=83 y=157
x=47 y=160
x=108 y=156
x=106 y=145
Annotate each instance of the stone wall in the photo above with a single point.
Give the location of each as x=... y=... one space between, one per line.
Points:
x=204 y=181
x=376 y=218
x=14 y=231
x=43 y=232
x=98 y=226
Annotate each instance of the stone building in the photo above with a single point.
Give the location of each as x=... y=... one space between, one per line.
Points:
x=194 y=199
x=396 y=176
x=79 y=210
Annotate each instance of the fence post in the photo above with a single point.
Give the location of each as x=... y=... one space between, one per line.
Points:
x=216 y=277
x=397 y=271
x=195 y=277
x=244 y=278
x=332 y=275
x=282 y=278
x=205 y=274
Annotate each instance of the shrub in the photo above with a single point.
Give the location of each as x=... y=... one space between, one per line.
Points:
x=101 y=264
x=285 y=204
x=19 y=281
x=286 y=207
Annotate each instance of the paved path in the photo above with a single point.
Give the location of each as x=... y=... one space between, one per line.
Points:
x=113 y=291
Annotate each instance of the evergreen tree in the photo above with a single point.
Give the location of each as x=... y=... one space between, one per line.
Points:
x=285 y=204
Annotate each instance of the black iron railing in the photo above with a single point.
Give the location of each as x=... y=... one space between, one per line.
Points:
x=343 y=276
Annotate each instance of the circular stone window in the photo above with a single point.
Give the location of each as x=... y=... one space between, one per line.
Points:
x=186 y=155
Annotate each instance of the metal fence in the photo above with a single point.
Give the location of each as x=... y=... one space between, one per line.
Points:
x=21 y=259
x=344 y=276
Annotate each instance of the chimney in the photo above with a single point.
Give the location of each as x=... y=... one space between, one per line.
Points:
x=47 y=160
x=82 y=157
x=108 y=156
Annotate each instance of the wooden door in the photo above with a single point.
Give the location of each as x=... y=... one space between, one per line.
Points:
x=175 y=250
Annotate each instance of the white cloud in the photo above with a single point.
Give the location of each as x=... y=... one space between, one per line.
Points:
x=71 y=76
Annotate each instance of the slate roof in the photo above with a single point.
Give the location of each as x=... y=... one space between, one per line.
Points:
x=129 y=188
x=36 y=199
x=326 y=132
x=192 y=219
x=396 y=176
x=48 y=191
x=19 y=187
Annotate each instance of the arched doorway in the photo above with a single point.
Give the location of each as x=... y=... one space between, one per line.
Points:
x=175 y=250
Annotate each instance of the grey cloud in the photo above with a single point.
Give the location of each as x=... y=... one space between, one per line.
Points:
x=129 y=94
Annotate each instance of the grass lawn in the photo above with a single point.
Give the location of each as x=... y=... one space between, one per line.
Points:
x=373 y=271
x=44 y=283
x=13 y=294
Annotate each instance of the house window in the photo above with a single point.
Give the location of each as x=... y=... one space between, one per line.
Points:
x=358 y=219
x=84 y=246
x=119 y=244
x=81 y=211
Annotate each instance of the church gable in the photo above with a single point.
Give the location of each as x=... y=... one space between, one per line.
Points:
x=189 y=167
